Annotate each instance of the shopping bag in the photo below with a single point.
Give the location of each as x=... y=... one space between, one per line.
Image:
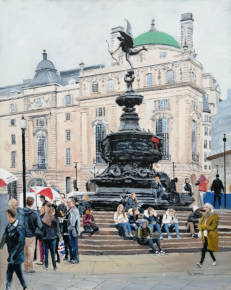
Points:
x=61 y=248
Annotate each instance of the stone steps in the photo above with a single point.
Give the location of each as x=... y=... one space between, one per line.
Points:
x=108 y=242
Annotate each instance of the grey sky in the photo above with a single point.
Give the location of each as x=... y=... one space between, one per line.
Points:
x=75 y=30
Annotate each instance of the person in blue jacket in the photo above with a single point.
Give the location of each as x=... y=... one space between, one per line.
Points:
x=15 y=240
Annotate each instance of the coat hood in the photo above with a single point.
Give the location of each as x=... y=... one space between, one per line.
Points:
x=28 y=211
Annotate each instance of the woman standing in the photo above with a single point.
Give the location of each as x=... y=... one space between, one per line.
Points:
x=208 y=227
x=51 y=233
x=203 y=182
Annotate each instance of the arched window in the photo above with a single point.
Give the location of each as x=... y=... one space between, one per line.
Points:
x=36 y=182
x=12 y=108
x=42 y=152
x=170 y=76
x=100 y=134
x=149 y=80
x=162 y=131
x=110 y=85
x=194 y=140
x=68 y=100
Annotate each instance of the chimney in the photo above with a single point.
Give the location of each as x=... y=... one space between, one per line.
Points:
x=187 y=31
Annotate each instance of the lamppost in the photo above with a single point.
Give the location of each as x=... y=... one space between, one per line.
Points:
x=23 y=125
x=224 y=140
x=76 y=184
x=217 y=169
x=173 y=169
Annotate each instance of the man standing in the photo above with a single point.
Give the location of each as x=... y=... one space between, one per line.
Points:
x=73 y=226
x=217 y=186
x=15 y=244
x=32 y=221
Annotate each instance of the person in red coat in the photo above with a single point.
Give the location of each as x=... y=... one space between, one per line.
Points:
x=89 y=222
x=203 y=182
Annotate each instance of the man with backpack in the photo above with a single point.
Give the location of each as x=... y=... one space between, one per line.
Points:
x=33 y=225
x=217 y=187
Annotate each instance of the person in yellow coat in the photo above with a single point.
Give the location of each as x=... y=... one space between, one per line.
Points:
x=208 y=227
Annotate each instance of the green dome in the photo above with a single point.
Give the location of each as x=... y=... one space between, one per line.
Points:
x=156 y=37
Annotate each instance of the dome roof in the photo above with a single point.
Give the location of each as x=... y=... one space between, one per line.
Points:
x=46 y=72
x=155 y=37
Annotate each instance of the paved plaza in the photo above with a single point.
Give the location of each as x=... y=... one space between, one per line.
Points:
x=175 y=271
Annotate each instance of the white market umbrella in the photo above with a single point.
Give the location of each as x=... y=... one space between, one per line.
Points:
x=6 y=177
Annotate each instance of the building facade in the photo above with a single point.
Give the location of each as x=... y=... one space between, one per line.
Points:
x=68 y=113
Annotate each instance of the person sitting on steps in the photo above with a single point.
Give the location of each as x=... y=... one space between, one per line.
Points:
x=170 y=221
x=153 y=221
x=193 y=220
x=187 y=187
x=145 y=238
x=133 y=202
x=133 y=218
x=89 y=223
x=121 y=222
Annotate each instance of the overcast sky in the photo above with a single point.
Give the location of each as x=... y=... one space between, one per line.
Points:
x=75 y=30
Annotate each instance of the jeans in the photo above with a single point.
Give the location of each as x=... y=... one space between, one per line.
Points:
x=217 y=196
x=50 y=245
x=202 y=196
x=167 y=226
x=134 y=227
x=155 y=227
x=125 y=226
x=204 y=250
x=17 y=268
x=73 y=247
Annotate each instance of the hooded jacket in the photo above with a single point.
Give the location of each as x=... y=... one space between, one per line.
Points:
x=51 y=232
x=168 y=219
x=32 y=221
x=15 y=241
x=73 y=223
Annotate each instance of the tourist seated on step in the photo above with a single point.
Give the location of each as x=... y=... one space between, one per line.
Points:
x=193 y=220
x=133 y=202
x=121 y=222
x=170 y=223
x=89 y=223
x=84 y=204
x=157 y=188
x=133 y=218
x=187 y=187
x=144 y=237
x=153 y=221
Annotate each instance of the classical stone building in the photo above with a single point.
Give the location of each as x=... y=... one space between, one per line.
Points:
x=68 y=113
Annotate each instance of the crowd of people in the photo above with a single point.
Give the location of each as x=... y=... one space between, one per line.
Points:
x=54 y=229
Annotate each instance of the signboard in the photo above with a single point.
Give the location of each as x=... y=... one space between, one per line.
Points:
x=3 y=207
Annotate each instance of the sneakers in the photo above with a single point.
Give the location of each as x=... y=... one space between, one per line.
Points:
x=199 y=265
x=163 y=253
x=178 y=237
x=194 y=236
x=157 y=253
x=130 y=235
x=169 y=237
x=40 y=263
x=214 y=263
x=161 y=238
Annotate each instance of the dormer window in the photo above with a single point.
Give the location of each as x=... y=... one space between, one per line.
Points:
x=68 y=100
x=12 y=108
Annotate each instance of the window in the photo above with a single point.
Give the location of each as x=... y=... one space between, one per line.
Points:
x=206 y=131
x=12 y=122
x=110 y=85
x=205 y=144
x=100 y=112
x=163 y=54
x=193 y=140
x=68 y=184
x=95 y=88
x=170 y=76
x=68 y=135
x=194 y=106
x=148 y=80
x=209 y=144
x=161 y=105
x=12 y=108
x=205 y=156
x=162 y=131
x=12 y=189
x=13 y=139
x=36 y=182
x=68 y=116
x=41 y=122
x=205 y=167
x=68 y=156
x=192 y=77
x=13 y=159
x=68 y=100
x=42 y=149
x=100 y=134
x=209 y=131
x=206 y=119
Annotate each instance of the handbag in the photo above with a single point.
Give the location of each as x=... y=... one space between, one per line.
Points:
x=38 y=233
x=61 y=248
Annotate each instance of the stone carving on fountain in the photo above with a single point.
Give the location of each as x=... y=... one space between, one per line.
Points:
x=130 y=152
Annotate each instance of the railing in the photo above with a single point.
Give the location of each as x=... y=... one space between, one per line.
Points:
x=40 y=166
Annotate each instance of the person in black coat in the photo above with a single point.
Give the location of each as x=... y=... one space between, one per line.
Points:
x=15 y=241
x=193 y=220
x=217 y=187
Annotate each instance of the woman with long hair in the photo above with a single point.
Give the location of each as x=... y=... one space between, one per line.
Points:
x=208 y=227
x=153 y=221
x=121 y=221
x=51 y=233
x=203 y=182
x=133 y=218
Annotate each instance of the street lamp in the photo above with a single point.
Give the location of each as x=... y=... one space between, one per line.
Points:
x=217 y=169
x=23 y=125
x=75 y=183
x=224 y=140
x=173 y=169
